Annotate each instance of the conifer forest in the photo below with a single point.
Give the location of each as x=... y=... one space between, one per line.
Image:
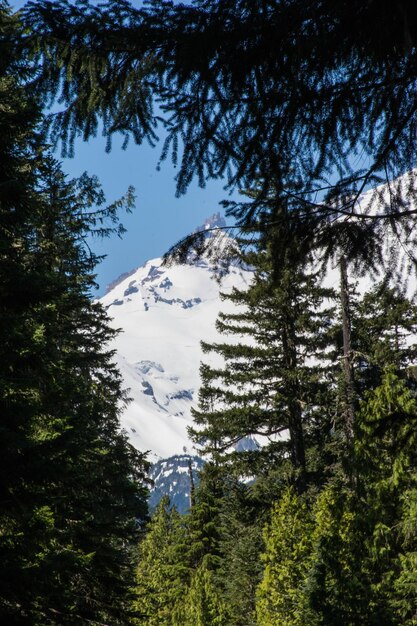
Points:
x=307 y=111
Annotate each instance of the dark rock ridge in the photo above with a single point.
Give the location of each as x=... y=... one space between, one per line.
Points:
x=119 y=280
x=131 y=289
x=171 y=477
x=183 y=394
x=145 y=366
x=214 y=221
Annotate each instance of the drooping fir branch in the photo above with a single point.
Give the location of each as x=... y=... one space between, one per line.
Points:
x=245 y=91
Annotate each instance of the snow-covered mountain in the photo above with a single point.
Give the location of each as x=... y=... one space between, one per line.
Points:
x=164 y=313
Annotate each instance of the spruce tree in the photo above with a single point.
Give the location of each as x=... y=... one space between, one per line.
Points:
x=238 y=575
x=275 y=380
x=204 y=526
x=162 y=572
x=404 y=598
x=386 y=461
x=73 y=484
x=384 y=331
x=316 y=562
x=72 y=489
x=285 y=559
x=202 y=605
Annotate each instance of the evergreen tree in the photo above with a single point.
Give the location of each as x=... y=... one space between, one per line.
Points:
x=384 y=331
x=352 y=558
x=204 y=526
x=316 y=563
x=178 y=560
x=404 y=598
x=386 y=459
x=236 y=103
x=162 y=572
x=72 y=488
x=239 y=573
x=269 y=385
x=336 y=588
x=287 y=550
x=356 y=557
x=202 y=605
x=361 y=565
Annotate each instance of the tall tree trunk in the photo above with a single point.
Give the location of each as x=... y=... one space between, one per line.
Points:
x=347 y=366
x=295 y=425
x=192 y=484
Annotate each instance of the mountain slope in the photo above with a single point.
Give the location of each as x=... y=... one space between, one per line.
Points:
x=165 y=312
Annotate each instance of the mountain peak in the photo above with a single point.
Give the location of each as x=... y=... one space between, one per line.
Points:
x=214 y=221
x=164 y=312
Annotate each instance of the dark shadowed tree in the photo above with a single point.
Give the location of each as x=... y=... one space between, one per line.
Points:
x=72 y=489
x=274 y=382
x=317 y=95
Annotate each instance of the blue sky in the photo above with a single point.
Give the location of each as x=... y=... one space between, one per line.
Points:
x=159 y=219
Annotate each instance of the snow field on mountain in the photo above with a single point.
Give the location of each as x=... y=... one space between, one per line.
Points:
x=165 y=312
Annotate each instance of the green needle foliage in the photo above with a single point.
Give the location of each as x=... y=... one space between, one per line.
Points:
x=317 y=95
x=241 y=543
x=288 y=545
x=405 y=584
x=317 y=101
x=72 y=489
x=384 y=332
x=162 y=572
x=347 y=554
x=275 y=378
x=202 y=605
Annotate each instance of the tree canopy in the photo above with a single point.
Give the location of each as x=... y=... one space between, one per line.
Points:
x=316 y=96
x=72 y=489
x=318 y=93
